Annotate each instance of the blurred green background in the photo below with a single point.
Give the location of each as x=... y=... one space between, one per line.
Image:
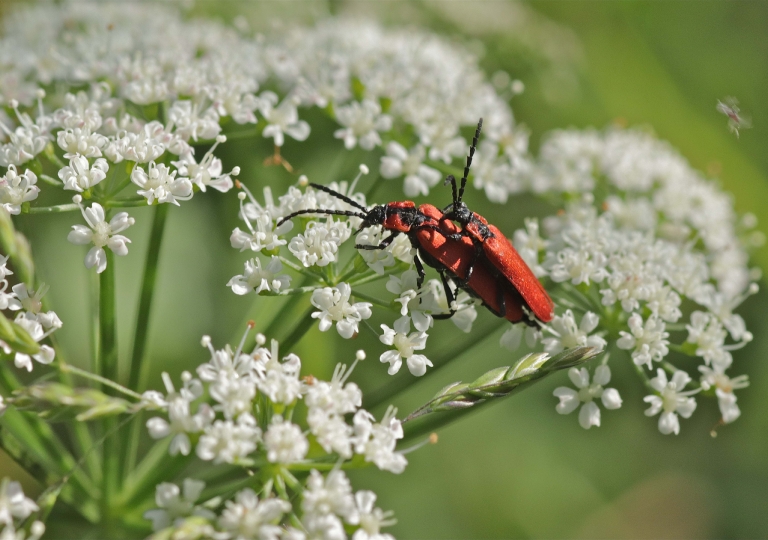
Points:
x=517 y=469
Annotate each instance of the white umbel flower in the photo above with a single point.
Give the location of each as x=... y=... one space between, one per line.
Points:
x=282 y=119
x=724 y=386
x=258 y=279
x=13 y=503
x=174 y=503
x=404 y=346
x=377 y=441
x=568 y=335
x=246 y=517
x=284 y=441
x=16 y=189
x=371 y=518
x=79 y=175
x=319 y=244
x=586 y=394
x=334 y=306
x=362 y=123
x=228 y=441
x=419 y=178
x=101 y=234
x=329 y=495
x=671 y=400
x=159 y=183
x=648 y=340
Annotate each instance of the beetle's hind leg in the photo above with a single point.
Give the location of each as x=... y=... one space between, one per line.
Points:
x=449 y=296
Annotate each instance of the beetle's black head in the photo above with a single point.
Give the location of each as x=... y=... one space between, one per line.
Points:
x=375 y=216
x=462 y=213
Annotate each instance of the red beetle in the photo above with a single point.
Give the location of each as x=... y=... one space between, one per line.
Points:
x=496 y=248
x=477 y=257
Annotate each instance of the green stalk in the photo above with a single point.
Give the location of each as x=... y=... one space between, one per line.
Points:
x=71 y=207
x=388 y=391
x=109 y=369
x=298 y=332
x=137 y=370
x=135 y=379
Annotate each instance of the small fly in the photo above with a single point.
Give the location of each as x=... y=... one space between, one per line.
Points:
x=736 y=121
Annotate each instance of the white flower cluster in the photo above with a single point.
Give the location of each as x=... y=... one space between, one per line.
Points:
x=15 y=508
x=37 y=323
x=327 y=503
x=239 y=409
x=664 y=235
x=319 y=246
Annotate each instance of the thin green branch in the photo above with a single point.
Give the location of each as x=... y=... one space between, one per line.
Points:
x=70 y=207
x=137 y=370
x=68 y=368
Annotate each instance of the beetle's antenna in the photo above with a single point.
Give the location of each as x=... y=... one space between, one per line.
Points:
x=322 y=211
x=469 y=164
x=338 y=195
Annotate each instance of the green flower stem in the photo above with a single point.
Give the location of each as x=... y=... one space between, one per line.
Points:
x=108 y=366
x=50 y=180
x=644 y=377
x=308 y=273
x=291 y=292
x=50 y=153
x=37 y=437
x=140 y=336
x=128 y=203
x=388 y=391
x=374 y=300
x=79 y=431
x=67 y=368
x=71 y=207
x=373 y=276
x=135 y=379
x=157 y=466
x=305 y=323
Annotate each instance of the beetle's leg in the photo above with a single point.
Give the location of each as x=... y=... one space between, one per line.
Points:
x=449 y=297
x=419 y=271
x=383 y=245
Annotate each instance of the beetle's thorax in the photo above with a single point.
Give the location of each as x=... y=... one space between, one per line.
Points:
x=400 y=216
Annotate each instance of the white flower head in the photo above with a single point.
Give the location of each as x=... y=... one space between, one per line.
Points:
x=724 y=386
x=282 y=119
x=207 y=173
x=16 y=189
x=258 y=279
x=404 y=346
x=319 y=244
x=371 y=518
x=228 y=441
x=13 y=503
x=671 y=400
x=334 y=306
x=329 y=495
x=586 y=393
x=174 y=503
x=362 y=123
x=79 y=175
x=284 y=442
x=101 y=234
x=419 y=178
x=159 y=183
x=377 y=441
x=648 y=341
x=247 y=517
x=45 y=355
x=567 y=334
